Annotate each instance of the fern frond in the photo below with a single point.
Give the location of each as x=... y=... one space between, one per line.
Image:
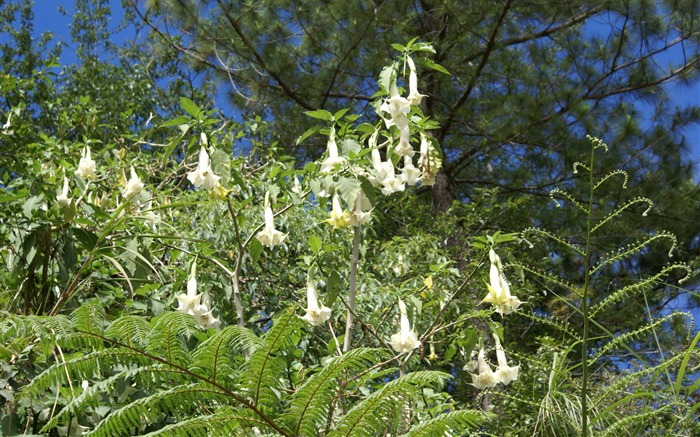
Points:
x=569 y=197
x=631 y=422
x=621 y=382
x=636 y=247
x=215 y=357
x=85 y=367
x=312 y=401
x=243 y=423
x=130 y=330
x=192 y=427
x=15 y=327
x=554 y=323
x=548 y=277
x=623 y=339
x=178 y=401
x=89 y=318
x=552 y=237
x=370 y=417
x=225 y=422
x=622 y=173
x=168 y=337
x=637 y=287
x=622 y=208
x=153 y=376
x=452 y=423
x=264 y=368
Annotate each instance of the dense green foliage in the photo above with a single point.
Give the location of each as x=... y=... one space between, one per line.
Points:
x=103 y=329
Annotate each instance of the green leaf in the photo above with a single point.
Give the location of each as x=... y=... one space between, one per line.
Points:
x=320 y=114
x=255 y=249
x=190 y=106
x=398 y=47
x=315 y=244
x=423 y=47
x=349 y=189
x=31 y=205
x=333 y=287
x=86 y=238
x=385 y=78
x=309 y=132
x=176 y=121
x=172 y=145
x=339 y=114
x=409 y=46
x=350 y=147
x=433 y=65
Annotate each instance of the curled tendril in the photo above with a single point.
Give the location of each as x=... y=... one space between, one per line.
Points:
x=523 y=239
x=619 y=210
x=636 y=247
x=567 y=196
x=648 y=201
x=582 y=165
x=597 y=143
x=551 y=236
x=611 y=174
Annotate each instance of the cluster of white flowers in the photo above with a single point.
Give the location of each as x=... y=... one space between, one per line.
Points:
x=202 y=177
x=87 y=169
x=63 y=198
x=487 y=377
x=499 y=290
x=499 y=296
x=193 y=304
x=133 y=186
x=395 y=111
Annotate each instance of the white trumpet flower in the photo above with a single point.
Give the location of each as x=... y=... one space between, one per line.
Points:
x=406 y=339
x=316 y=313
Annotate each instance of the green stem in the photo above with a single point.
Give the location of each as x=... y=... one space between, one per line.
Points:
x=584 y=305
x=353 y=289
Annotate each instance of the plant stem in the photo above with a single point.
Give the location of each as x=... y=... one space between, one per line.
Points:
x=584 y=304
x=353 y=289
x=239 y=259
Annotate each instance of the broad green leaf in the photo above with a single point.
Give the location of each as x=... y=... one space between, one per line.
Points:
x=255 y=249
x=190 y=106
x=309 y=132
x=333 y=287
x=433 y=65
x=398 y=47
x=339 y=114
x=349 y=189
x=320 y=114
x=315 y=243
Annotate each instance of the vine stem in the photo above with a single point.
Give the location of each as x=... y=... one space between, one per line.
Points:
x=584 y=304
x=353 y=289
